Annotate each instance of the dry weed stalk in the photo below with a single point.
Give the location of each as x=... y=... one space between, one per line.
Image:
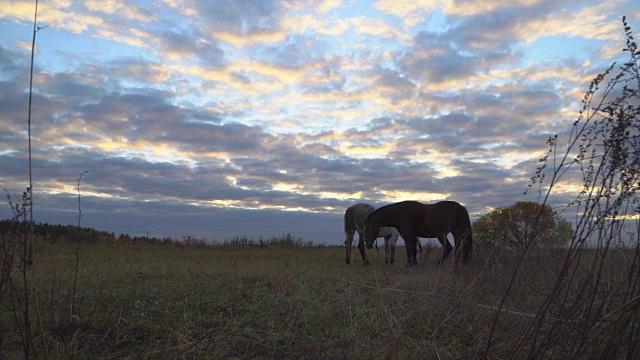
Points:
x=16 y=246
x=598 y=287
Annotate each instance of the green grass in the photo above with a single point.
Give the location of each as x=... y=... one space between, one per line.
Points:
x=167 y=301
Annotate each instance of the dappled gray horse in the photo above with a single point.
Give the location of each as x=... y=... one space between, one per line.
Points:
x=354 y=219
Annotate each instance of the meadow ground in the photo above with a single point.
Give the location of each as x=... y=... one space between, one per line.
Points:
x=247 y=302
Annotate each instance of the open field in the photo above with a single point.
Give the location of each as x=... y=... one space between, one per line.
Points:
x=168 y=301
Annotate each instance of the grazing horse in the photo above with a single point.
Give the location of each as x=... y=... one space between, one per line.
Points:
x=354 y=219
x=413 y=219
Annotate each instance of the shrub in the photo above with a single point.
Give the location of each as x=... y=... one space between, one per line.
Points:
x=514 y=225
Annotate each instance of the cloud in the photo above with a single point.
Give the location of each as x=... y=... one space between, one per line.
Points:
x=121 y=8
x=411 y=13
x=61 y=18
x=376 y=27
x=242 y=23
x=469 y=8
x=306 y=23
x=394 y=85
x=591 y=22
x=405 y=8
x=176 y=44
x=325 y=6
x=240 y=17
x=434 y=61
x=235 y=117
x=295 y=52
x=134 y=70
x=250 y=37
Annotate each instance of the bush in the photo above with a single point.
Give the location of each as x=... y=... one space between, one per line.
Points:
x=513 y=226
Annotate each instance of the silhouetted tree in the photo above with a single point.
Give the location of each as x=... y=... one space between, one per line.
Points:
x=513 y=226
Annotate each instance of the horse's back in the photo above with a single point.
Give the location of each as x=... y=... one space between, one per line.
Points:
x=355 y=216
x=402 y=215
x=403 y=208
x=445 y=214
x=446 y=206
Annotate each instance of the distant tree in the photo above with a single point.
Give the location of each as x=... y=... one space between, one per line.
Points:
x=124 y=237
x=514 y=225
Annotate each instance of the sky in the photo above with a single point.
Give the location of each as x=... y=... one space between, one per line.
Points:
x=256 y=118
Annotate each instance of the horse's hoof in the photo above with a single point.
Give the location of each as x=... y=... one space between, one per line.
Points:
x=366 y=263
x=348 y=261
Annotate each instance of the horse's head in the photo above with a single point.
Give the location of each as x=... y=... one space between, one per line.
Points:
x=370 y=233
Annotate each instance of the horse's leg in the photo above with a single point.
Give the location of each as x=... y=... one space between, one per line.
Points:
x=361 y=248
x=410 y=245
x=443 y=247
x=457 y=247
x=390 y=249
x=347 y=244
x=446 y=247
x=462 y=241
x=414 y=251
x=387 y=249
x=393 y=239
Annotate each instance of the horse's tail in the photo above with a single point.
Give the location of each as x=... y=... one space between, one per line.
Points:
x=349 y=226
x=463 y=221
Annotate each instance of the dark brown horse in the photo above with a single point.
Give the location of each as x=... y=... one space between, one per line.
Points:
x=414 y=219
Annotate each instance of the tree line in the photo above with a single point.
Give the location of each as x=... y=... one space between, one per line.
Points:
x=70 y=233
x=55 y=232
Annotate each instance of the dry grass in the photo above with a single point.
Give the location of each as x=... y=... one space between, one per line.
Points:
x=165 y=301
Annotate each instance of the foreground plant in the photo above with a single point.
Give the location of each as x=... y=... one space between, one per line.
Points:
x=593 y=308
x=17 y=248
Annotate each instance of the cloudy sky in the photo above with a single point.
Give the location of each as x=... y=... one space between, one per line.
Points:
x=263 y=117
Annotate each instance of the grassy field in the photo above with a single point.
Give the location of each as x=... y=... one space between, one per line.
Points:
x=246 y=302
